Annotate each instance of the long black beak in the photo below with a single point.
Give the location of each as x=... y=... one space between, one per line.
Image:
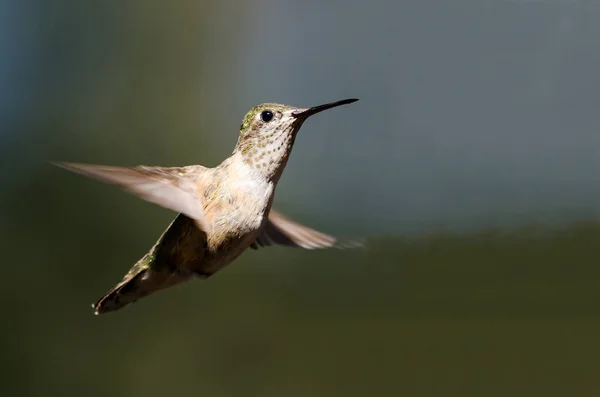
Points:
x=316 y=109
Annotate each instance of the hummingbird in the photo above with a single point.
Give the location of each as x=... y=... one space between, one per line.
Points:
x=223 y=210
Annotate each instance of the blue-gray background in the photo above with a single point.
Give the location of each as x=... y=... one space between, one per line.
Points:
x=471 y=163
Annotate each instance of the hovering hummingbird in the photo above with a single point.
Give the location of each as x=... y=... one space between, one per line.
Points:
x=223 y=210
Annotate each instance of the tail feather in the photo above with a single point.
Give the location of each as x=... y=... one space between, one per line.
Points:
x=176 y=257
x=141 y=281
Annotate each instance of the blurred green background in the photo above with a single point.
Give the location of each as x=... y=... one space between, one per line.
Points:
x=471 y=164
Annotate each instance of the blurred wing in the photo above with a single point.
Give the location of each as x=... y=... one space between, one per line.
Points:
x=174 y=188
x=280 y=230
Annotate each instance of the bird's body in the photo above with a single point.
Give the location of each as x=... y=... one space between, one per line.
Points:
x=223 y=210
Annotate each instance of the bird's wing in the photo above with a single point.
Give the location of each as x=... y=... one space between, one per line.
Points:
x=174 y=188
x=280 y=230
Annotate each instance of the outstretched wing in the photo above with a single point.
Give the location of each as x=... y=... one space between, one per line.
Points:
x=174 y=188
x=280 y=230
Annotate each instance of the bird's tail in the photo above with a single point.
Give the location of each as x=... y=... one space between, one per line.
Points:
x=142 y=280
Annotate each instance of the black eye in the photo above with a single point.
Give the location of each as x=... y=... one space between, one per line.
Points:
x=266 y=116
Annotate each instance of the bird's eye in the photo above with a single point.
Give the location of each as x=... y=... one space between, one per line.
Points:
x=266 y=116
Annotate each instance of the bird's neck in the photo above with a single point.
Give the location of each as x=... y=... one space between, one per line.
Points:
x=262 y=160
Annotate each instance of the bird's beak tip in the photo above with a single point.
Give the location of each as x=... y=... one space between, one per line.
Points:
x=317 y=109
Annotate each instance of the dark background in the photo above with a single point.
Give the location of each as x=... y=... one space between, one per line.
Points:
x=471 y=165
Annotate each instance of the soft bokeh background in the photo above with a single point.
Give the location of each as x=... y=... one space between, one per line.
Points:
x=471 y=163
